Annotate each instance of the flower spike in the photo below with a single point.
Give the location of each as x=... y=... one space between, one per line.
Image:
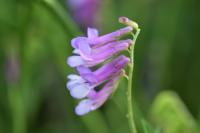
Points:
x=89 y=52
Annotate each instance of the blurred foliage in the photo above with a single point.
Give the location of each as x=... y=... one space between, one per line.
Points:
x=35 y=42
x=168 y=111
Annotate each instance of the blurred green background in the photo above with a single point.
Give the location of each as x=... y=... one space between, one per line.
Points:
x=35 y=43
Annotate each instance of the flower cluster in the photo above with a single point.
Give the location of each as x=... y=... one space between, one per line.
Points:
x=89 y=52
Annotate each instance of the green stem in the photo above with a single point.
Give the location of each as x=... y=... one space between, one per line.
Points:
x=129 y=92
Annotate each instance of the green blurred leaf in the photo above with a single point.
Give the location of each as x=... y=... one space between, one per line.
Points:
x=169 y=113
x=62 y=16
x=146 y=127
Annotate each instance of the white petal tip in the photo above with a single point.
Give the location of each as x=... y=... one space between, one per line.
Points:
x=80 y=91
x=84 y=107
x=74 y=61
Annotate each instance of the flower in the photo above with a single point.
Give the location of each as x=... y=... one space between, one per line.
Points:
x=80 y=86
x=94 y=39
x=92 y=57
x=89 y=52
x=84 y=11
x=96 y=99
x=94 y=50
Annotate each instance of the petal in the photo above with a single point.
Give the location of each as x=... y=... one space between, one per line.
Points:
x=75 y=42
x=111 y=36
x=83 y=70
x=87 y=74
x=112 y=45
x=84 y=47
x=105 y=52
x=74 y=61
x=91 y=78
x=93 y=63
x=83 y=107
x=92 y=94
x=73 y=76
x=85 y=50
x=80 y=91
x=103 y=94
x=76 y=51
x=72 y=83
x=107 y=70
x=92 y=33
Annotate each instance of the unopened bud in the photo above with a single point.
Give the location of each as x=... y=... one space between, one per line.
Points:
x=128 y=22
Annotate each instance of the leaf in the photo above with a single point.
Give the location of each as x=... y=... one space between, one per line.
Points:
x=169 y=113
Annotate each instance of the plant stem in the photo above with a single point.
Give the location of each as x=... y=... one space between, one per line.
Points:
x=129 y=91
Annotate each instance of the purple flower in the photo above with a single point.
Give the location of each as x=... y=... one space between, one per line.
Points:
x=80 y=86
x=96 y=99
x=88 y=52
x=12 y=68
x=94 y=39
x=94 y=50
x=84 y=11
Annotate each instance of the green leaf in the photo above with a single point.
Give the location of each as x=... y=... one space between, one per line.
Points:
x=169 y=113
x=62 y=16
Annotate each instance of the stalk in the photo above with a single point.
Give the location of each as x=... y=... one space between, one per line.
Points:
x=129 y=91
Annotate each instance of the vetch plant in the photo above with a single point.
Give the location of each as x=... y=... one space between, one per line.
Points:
x=105 y=51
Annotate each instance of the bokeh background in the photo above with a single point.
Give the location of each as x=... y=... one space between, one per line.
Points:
x=35 y=42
